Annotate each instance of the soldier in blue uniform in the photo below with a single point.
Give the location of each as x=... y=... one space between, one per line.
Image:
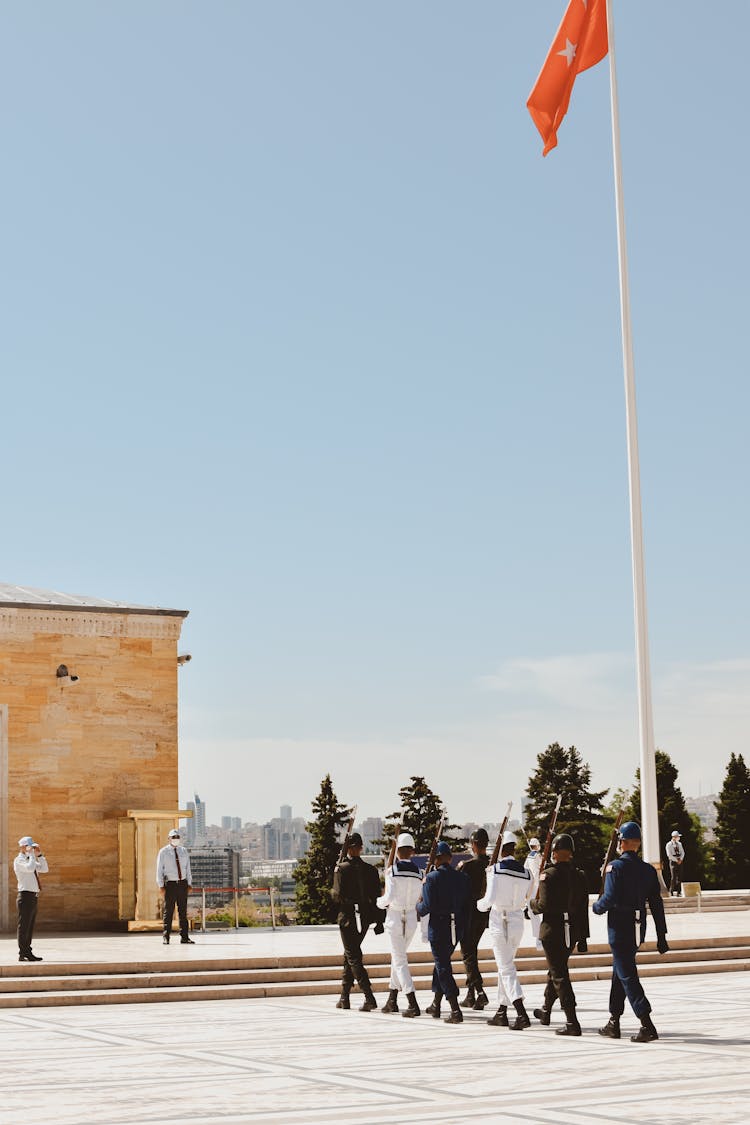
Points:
x=445 y=898
x=629 y=885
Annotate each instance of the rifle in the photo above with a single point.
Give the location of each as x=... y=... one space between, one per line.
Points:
x=392 y=853
x=433 y=849
x=612 y=846
x=499 y=840
x=347 y=834
x=550 y=834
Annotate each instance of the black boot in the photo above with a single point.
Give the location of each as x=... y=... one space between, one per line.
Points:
x=434 y=1008
x=370 y=1003
x=572 y=1026
x=522 y=1019
x=413 y=1010
x=456 y=1015
x=391 y=1004
x=543 y=1015
x=500 y=1018
x=611 y=1029
x=648 y=1032
x=481 y=1001
x=343 y=1001
x=470 y=997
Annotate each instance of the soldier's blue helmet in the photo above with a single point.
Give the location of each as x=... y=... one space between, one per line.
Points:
x=630 y=831
x=443 y=848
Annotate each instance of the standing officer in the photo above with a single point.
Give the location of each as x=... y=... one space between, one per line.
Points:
x=27 y=865
x=675 y=855
x=476 y=923
x=509 y=887
x=533 y=864
x=175 y=883
x=356 y=886
x=403 y=887
x=444 y=901
x=630 y=884
x=563 y=902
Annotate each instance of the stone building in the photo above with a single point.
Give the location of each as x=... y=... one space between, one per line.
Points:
x=88 y=752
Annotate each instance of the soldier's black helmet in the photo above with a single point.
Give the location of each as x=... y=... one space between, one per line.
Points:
x=355 y=840
x=479 y=836
x=563 y=843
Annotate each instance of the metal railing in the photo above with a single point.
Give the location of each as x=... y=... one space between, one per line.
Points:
x=236 y=893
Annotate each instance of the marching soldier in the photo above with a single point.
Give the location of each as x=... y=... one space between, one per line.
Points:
x=630 y=884
x=475 y=869
x=509 y=887
x=356 y=886
x=403 y=887
x=562 y=900
x=444 y=901
x=533 y=864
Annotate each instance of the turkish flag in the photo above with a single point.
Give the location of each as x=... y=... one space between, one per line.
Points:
x=581 y=42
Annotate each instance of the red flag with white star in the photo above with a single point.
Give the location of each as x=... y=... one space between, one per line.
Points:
x=581 y=42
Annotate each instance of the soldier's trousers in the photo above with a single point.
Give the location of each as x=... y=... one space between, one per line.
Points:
x=443 y=981
x=558 y=978
x=504 y=947
x=399 y=936
x=475 y=927
x=353 y=969
x=625 y=981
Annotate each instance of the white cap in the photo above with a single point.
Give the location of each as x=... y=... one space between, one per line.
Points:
x=509 y=838
x=405 y=840
x=675 y=833
x=26 y=842
x=534 y=843
x=174 y=833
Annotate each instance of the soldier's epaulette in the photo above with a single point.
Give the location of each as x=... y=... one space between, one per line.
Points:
x=543 y=876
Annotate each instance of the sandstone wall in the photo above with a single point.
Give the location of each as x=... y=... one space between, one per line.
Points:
x=80 y=754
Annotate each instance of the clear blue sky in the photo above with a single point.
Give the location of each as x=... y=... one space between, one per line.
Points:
x=302 y=334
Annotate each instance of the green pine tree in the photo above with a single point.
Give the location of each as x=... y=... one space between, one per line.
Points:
x=420 y=814
x=314 y=873
x=732 y=850
x=673 y=814
x=563 y=771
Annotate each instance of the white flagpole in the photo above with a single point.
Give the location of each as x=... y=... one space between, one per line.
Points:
x=649 y=808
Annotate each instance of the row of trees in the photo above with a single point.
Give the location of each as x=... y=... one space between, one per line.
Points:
x=584 y=814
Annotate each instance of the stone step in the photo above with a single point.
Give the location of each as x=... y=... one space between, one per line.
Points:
x=308 y=988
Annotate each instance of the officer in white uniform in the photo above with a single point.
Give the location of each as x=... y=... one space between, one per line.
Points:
x=533 y=864
x=175 y=883
x=509 y=888
x=403 y=888
x=675 y=855
x=28 y=865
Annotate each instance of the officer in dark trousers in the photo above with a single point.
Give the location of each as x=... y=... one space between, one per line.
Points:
x=563 y=902
x=445 y=901
x=175 y=883
x=630 y=884
x=356 y=886
x=476 y=923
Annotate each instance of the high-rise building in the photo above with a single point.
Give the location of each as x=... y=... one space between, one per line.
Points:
x=190 y=825
x=371 y=829
x=200 y=818
x=215 y=867
x=226 y=822
x=285 y=812
x=285 y=839
x=236 y=824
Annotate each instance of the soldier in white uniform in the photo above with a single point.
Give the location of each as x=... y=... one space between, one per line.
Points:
x=533 y=864
x=509 y=888
x=28 y=865
x=403 y=888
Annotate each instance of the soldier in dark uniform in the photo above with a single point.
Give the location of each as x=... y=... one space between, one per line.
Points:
x=475 y=869
x=356 y=886
x=445 y=899
x=629 y=884
x=563 y=902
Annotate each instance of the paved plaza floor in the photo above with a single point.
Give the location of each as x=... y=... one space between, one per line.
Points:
x=299 y=1060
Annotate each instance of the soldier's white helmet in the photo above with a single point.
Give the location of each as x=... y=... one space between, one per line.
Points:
x=405 y=840
x=534 y=843
x=509 y=838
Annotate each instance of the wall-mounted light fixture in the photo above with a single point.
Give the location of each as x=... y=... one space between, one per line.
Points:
x=63 y=674
x=183 y=658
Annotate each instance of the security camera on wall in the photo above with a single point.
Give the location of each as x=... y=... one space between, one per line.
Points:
x=64 y=675
x=183 y=658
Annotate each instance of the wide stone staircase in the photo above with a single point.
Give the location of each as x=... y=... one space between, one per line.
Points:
x=38 y=985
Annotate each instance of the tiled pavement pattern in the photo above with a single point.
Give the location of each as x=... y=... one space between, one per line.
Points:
x=299 y=1060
